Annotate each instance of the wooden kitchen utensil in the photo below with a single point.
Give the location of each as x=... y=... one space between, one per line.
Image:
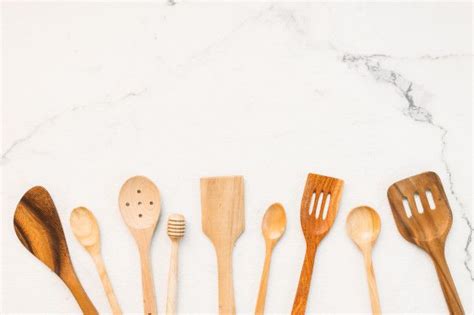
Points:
x=318 y=210
x=139 y=202
x=423 y=217
x=39 y=229
x=273 y=227
x=222 y=205
x=85 y=228
x=176 y=228
x=363 y=227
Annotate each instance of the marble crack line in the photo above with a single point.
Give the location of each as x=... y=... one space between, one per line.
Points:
x=18 y=142
x=417 y=113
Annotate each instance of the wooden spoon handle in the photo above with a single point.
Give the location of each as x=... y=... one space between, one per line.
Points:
x=262 y=292
x=78 y=292
x=373 y=292
x=226 y=286
x=301 y=298
x=149 y=301
x=446 y=281
x=172 y=279
x=109 y=291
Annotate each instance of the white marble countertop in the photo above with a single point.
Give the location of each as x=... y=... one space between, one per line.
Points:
x=370 y=93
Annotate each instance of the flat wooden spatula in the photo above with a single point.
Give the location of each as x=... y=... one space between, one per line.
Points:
x=222 y=205
x=39 y=229
x=423 y=217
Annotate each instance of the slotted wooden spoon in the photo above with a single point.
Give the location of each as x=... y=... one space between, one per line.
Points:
x=318 y=210
x=426 y=225
x=222 y=205
x=139 y=202
x=39 y=229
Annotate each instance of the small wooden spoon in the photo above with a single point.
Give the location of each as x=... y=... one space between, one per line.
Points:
x=139 y=202
x=85 y=228
x=363 y=227
x=273 y=227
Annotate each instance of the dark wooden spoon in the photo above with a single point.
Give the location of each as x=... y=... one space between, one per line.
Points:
x=39 y=229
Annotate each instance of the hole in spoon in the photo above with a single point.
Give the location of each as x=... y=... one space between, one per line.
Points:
x=326 y=206
x=140 y=215
x=319 y=205
x=151 y=202
x=419 y=206
x=139 y=203
x=139 y=191
x=429 y=196
x=312 y=202
x=127 y=204
x=406 y=207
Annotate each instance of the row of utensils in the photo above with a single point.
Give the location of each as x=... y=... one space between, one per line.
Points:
x=419 y=206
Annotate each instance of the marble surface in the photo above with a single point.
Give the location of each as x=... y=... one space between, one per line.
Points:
x=370 y=93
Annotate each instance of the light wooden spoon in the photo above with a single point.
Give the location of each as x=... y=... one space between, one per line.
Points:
x=273 y=227
x=85 y=228
x=139 y=202
x=363 y=227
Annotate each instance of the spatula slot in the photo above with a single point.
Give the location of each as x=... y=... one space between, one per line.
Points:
x=326 y=206
x=431 y=202
x=312 y=203
x=419 y=206
x=320 y=204
x=406 y=207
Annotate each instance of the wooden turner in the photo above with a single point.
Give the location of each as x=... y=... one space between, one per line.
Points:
x=39 y=229
x=318 y=210
x=222 y=205
x=423 y=217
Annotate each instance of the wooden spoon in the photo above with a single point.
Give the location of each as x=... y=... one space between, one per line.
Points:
x=426 y=224
x=176 y=228
x=222 y=205
x=139 y=202
x=39 y=229
x=273 y=227
x=363 y=227
x=85 y=228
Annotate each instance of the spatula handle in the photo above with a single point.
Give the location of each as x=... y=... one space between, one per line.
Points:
x=301 y=298
x=78 y=292
x=226 y=286
x=149 y=301
x=447 y=284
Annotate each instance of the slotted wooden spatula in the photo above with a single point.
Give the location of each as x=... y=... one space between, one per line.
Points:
x=39 y=229
x=318 y=210
x=423 y=217
x=222 y=206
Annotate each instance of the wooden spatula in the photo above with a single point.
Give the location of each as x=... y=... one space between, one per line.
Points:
x=423 y=217
x=39 y=229
x=139 y=202
x=222 y=205
x=318 y=210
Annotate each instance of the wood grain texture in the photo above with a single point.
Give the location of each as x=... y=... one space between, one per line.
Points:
x=176 y=230
x=363 y=227
x=139 y=202
x=86 y=230
x=222 y=206
x=39 y=229
x=273 y=227
x=315 y=226
x=426 y=226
